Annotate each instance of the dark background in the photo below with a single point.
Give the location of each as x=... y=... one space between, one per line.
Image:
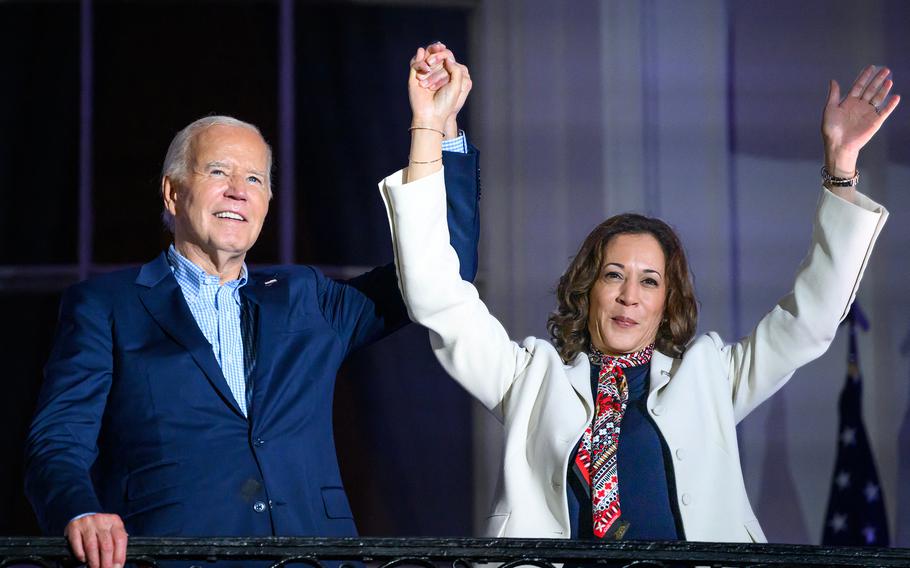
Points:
x=402 y=429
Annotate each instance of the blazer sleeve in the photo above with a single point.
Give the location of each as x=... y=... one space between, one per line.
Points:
x=471 y=344
x=369 y=307
x=462 y=189
x=804 y=322
x=62 y=441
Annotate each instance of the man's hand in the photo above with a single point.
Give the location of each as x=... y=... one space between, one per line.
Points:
x=848 y=124
x=432 y=75
x=98 y=539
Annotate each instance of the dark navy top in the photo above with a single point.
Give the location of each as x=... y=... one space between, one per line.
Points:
x=647 y=492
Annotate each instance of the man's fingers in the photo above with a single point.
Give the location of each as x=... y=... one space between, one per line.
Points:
x=431 y=61
x=436 y=79
x=434 y=61
x=120 y=539
x=426 y=66
x=106 y=544
x=90 y=541
x=75 y=539
x=432 y=67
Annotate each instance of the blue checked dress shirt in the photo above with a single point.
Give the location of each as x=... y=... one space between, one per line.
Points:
x=459 y=144
x=217 y=310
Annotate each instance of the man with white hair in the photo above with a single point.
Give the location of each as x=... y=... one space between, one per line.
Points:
x=192 y=396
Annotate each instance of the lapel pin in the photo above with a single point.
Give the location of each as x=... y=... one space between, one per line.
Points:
x=271 y=281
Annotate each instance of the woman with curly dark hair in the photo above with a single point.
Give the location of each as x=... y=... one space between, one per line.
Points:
x=568 y=325
x=623 y=425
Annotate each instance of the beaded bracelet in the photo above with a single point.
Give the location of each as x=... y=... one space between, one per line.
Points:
x=829 y=179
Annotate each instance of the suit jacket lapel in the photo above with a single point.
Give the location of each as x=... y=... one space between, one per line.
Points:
x=662 y=370
x=266 y=299
x=162 y=297
x=579 y=373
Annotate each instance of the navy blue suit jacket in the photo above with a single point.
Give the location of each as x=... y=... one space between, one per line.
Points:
x=135 y=416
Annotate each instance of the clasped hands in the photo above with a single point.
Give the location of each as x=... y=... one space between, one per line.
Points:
x=438 y=87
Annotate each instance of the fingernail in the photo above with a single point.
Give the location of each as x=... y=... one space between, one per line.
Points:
x=424 y=83
x=432 y=60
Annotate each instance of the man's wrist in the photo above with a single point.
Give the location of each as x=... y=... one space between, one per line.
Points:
x=451 y=127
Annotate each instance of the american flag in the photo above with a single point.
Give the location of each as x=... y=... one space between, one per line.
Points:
x=856 y=505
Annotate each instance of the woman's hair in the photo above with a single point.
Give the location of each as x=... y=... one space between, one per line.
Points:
x=568 y=324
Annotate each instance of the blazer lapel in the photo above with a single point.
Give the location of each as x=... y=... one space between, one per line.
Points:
x=579 y=373
x=266 y=301
x=662 y=370
x=162 y=297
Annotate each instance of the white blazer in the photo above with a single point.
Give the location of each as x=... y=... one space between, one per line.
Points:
x=695 y=401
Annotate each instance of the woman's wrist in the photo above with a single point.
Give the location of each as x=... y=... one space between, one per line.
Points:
x=429 y=121
x=841 y=163
x=425 y=156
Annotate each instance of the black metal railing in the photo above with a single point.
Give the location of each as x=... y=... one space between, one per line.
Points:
x=455 y=553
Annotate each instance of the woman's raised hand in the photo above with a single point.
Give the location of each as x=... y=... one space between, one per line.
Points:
x=848 y=124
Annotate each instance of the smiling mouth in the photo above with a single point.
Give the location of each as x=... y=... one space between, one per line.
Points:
x=229 y=215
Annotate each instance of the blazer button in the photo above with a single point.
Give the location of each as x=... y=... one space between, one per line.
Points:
x=657 y=410
x=686 y=499
x=259 y=506
x=259 y=442
x=680 y=454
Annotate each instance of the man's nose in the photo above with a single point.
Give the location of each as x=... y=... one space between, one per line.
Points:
x=236 y=188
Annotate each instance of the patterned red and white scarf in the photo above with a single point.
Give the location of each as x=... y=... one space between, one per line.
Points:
x=596 y=457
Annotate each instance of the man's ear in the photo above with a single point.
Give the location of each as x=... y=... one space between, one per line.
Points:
x=169 y=194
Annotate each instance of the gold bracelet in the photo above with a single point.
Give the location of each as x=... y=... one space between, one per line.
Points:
x=440 y=132
x=410 y=161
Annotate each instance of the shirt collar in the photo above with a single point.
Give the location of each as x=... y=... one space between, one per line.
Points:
x=192 y=278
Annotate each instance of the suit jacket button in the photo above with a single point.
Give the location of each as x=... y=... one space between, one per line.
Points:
x=686 y=499
x=259 y=442
x=657 y=410
x=259 y=506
